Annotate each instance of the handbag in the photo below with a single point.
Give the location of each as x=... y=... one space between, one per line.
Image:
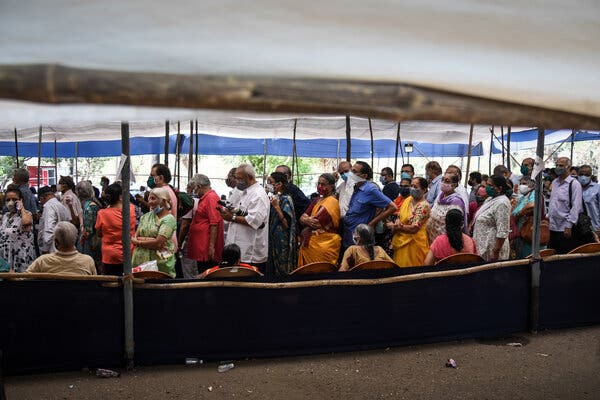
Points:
x=527 y=231
x=583 y=229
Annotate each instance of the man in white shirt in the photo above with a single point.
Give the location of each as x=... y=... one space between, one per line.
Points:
x=344 y=190
x=52 y=213
x=251 y=230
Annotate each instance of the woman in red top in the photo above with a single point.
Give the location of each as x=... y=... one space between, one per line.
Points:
x=453 y=241
x=205 y=237
x=109 y=227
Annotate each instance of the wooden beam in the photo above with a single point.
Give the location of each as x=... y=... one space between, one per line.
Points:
x=57 y=84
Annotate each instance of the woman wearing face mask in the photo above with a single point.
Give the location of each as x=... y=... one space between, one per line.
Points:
x=491 y=226
x=321 y=240
x=523 y=211
x=16 y=236
x=410 y=242
x=153 y=237
x=205 y=237
x=283 y=253
x=480 y=196
x=447 y=200
x=109 y=228
x=363 y=250
x=89 y=240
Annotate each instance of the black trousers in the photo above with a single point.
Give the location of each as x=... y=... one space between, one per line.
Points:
x=560 y=243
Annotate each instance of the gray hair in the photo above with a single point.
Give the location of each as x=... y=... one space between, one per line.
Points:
x=21 y=174
x=248 y=170
x=85 y=190
x=65 y=234
x=199 y=180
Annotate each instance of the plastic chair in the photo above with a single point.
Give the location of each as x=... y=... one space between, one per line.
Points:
x=232 y=273
x=544 y=253
x=461 y=258
x=375 y=264
x=586 y=248
x=151 y=275
x=320 y=267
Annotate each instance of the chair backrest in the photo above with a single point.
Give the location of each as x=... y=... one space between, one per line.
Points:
x=375 y=264
x=460 y=258
x=232 y=273
x=544 y=253
x=151 y=275
x=315 y=268
x=586 y=248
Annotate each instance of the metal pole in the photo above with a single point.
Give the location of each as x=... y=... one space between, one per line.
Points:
x=127 y=283
x=294 y=154
x=167 y=125
x=372 y=145
x=55 y=163
x=196 y=143
x=348 y=137
x=76 y=162
x=491 y=150
x=191 y=152
x=572 y=144
x=39 y=159
x=264 y=162
x=396 y=156
x=537 y=218
x=16 y=148
x=469 y=152
x=502 y=142
x=177 y=153
x=508 y=148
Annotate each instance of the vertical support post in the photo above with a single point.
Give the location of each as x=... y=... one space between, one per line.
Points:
x=348 y=138
x=167 y=125
x=509 y=161
x=534 y=313
x=264 y=162
x=294 y=152
x=177 y=154
x=39 y=158
x=76 y=162
x=372 y=145
x=572 y=144
x=491 y=150
x=55 y=163
x=127 y=283
x=469 y=152
x=502 y=143
x=16 y=148
x=396 y=156
x=196 y=143
x=191 y=152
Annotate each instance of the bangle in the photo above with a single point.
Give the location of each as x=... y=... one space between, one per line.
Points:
x=232 y=218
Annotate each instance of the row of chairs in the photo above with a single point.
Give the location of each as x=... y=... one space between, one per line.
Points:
x=326 y=267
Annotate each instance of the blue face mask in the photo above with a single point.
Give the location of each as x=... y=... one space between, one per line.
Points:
x=405 y=175
x=584 y=180
x=382 y=180
x=157 y=210
x=344 y=176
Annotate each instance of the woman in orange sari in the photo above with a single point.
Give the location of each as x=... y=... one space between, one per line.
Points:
x=321 y=220
x=410 y=236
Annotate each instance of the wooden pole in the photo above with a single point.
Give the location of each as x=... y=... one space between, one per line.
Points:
x=39 y=159
x=396 y=155
x=502 y=143
x=264 y=162
x=191 y=152
x=572 y=145
x=167 y=125
x=178 y=153
x=508 y=148
x=55 y=163
x=196 y=143
x=348 y=140
x=469 y=152
x=372 y=145
x=294 y=152
x=537 y=219
x=491 y=150
x=76 y=162
x=126 y=238
x=16 y=148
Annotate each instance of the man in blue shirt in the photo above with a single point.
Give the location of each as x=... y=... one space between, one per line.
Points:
x=365 y=201
x=591 y=196
x=433 y=170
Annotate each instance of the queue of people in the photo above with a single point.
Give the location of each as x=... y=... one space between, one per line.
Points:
x=276 y=228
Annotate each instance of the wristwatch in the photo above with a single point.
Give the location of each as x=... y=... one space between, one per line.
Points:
x=233 y=218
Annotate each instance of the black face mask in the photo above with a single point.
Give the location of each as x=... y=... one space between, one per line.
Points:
x=404 y=191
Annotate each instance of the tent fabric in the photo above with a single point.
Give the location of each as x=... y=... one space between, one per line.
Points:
x=527 y=139
x=536 y=53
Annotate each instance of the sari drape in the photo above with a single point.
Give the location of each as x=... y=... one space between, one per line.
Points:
x=410 y=249
x=323 y=244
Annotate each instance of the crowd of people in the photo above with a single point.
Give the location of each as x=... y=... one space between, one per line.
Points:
x=275 y=228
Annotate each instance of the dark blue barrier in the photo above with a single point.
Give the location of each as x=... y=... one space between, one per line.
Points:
x=56 y=325
x=570 y=292
x=237 y=322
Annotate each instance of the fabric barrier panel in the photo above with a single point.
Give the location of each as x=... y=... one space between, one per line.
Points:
x=570 y=292
x=55 y=325
x=235 y=322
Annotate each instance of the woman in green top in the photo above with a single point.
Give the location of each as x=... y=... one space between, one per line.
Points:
x=153 y=239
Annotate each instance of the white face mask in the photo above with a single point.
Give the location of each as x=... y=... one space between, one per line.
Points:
x=523 y=189
x=354 y=179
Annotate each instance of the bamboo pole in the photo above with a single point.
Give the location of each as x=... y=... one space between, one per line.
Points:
x=55 y=162
x=76 y=162
x=534 y=312
x=127 y=283
x=264 y=162
x=348 y=140
x=178 y=153
x=491 y=149
x=16 y=148
x=469 y=152
x=508 y=134
x=294 y=152
x=396 y=101
x=196 y=143
x=572 y=145
x=39 y=158
x=396 y=155
x=191 y=151
x=167 y=126
x=372 y=145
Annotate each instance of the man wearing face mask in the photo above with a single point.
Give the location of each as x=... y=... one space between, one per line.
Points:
x=591 y=196
x=298 y=197
x=564 y=208
x=433 y=173
x=250 y=231
x=390 y=188
x=53 y=212
x=475 y=182
x=344 y=190
x=527 y=166
x=364 y=202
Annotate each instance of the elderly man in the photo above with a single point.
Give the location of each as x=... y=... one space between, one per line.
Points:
x=591 y=196
x=53 y=212
x=344 y=190
x=66 y=259
x=365 y=201
x=527 y=166
x=433 y=172
x=249 y=228
x=407 y=171
x=21 y=179
x=298 y=197
x=564 y=208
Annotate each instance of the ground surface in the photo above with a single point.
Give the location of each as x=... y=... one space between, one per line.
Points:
x=550 y=365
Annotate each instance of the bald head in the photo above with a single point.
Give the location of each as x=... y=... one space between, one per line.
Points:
x=344 y=166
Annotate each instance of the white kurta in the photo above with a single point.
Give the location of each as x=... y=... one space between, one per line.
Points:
x=53 y=213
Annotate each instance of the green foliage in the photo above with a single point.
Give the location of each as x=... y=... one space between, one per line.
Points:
x=7 y=166
x=304 y=166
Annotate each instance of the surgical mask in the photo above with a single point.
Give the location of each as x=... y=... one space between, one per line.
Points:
x=354 y=179
x=446 y=187
x=269 y=188
x=241 y=185
x=157 y=210
x=415 y=193
x=344 y=176
x=405 y=175
x=489 y=190
x=523 y=189
x=382 y=180
x=404 y=191
x=560 y=171
x=584 y=180
x=151 y=182
x=524 y=170
x=11 y=205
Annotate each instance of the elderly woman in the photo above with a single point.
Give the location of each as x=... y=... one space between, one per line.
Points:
x=153 y=239
x=16 y=236
x=109 y=228
x=70 y=200
x=89 y=242
x=491 y=225
x=452 y=242
x=410 y=237
x=321 y=220
x=447 y=200
x=205 y=236
x=283 y=253
x=522 y=212
x=363 y=250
